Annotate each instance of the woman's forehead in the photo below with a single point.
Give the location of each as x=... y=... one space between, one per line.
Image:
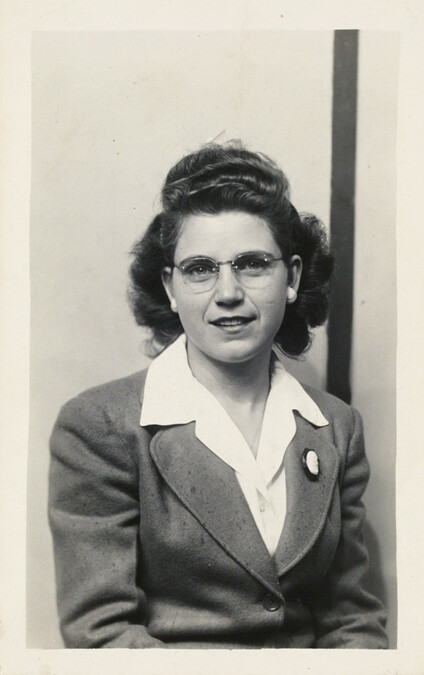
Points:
x=227 y=233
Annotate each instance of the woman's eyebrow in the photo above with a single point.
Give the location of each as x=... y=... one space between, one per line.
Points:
x=207 y=257
x=190 y=258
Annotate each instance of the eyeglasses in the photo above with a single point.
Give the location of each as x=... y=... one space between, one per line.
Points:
x=252 y=270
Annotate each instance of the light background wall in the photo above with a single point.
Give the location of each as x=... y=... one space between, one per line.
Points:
x=111 y=113
x=373 y=371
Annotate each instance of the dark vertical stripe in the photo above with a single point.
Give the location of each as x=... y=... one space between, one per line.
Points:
x=345 y=72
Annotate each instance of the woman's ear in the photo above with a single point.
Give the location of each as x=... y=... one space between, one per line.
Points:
x=296 y=267
x=295 y=272
x=166 y=277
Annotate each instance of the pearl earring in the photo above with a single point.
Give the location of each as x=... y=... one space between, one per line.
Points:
x=174 y=306
x=291 y=294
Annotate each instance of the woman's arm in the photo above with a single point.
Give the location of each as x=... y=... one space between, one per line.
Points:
x=94 y=518
x=345 y=613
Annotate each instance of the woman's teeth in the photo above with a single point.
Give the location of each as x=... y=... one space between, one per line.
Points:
x=237 y=321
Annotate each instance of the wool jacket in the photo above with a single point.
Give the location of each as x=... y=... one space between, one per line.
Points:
x=155 y=545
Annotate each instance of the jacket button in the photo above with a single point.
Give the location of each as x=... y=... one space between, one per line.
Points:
x=271 y=603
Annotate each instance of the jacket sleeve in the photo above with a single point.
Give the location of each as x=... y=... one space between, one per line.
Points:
x=94 y=518
x=345 y=614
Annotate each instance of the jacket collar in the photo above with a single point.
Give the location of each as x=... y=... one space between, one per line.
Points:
x=308 y=501
x=209 y=490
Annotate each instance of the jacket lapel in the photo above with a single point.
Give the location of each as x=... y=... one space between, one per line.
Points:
x=209 y=489
x=308 y=501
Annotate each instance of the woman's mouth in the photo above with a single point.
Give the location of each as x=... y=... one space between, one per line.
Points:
x=232 y=321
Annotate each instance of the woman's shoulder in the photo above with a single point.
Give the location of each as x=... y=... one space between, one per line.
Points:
x=119 y=398
x=338 y=412
x=98 y=431
x=326 y=400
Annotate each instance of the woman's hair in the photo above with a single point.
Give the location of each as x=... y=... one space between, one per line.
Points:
x=220 y=178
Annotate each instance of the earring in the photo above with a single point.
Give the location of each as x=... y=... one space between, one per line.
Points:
x=174 y=306
x=291 y=295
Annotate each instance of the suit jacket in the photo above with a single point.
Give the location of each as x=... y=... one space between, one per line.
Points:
x=155 y=545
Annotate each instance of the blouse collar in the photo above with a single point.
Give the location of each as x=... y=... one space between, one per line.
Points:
x=172 y=395
x=171 y=392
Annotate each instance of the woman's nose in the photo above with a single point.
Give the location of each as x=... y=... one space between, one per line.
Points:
x=228 y=289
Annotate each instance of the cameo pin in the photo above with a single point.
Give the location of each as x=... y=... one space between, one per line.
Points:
x=310 y=463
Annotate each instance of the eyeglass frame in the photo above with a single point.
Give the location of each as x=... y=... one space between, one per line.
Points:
x=268 y=257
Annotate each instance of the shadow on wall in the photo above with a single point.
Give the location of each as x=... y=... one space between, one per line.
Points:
x=305 y=372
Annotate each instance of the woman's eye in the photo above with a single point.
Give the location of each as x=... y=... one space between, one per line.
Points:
x=252 y=264
x=199 y=270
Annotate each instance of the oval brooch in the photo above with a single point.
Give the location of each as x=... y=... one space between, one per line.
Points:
x=310 y=463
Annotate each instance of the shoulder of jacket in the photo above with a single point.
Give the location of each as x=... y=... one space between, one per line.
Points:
x=333 y=408
x=117 y=398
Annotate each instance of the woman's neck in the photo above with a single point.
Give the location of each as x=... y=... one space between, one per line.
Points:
x=245 y=383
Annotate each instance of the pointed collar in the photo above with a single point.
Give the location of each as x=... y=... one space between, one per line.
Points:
x=172 y=395
x=170 y=389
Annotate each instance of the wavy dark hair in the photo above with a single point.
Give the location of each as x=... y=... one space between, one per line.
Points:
x=220 y=178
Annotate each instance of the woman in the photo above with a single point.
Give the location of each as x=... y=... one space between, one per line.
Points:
x=214 y=501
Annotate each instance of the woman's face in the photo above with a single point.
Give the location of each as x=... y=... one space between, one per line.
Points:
x=229 y=323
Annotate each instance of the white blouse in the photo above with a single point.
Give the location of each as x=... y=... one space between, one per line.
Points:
x=172 y=395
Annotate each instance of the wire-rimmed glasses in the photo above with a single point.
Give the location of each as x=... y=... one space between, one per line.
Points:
x=252 y=270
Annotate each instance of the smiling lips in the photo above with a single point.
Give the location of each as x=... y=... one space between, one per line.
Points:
x=231 y=321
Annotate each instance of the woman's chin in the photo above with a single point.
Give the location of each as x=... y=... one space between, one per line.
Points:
x=236 y=351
